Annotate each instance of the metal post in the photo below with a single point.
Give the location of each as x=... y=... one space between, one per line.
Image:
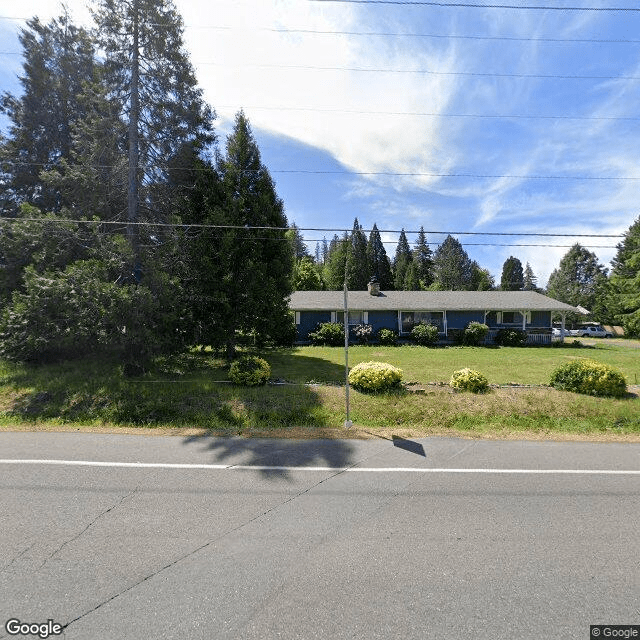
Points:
x=347 y=422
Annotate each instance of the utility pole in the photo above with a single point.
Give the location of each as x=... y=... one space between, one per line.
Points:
x=134 y=114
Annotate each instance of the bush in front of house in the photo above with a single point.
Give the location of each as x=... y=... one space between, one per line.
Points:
x=469 y=380
x=363 y=333
x=375 y=376
x=425 y=334
x=330 y=334
x=387 y=337
x=250 y=371
x=511 y=337
x=475 y=333
x=590 y=378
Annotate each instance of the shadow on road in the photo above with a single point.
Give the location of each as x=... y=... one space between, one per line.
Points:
x=273 y=455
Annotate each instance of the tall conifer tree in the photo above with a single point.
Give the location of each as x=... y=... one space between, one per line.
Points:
x=401 y=262
x=378 y=260
x=58 y=59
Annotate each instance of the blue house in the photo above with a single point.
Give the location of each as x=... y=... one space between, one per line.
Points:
x=401 y=310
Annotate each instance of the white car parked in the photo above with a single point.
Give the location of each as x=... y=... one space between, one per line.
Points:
x=592 y=331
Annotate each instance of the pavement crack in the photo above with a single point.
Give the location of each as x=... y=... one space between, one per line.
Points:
x=81 y=533
x=16 y=558
x=193 y=552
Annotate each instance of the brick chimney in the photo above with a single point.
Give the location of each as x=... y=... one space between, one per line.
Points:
x=374 y=286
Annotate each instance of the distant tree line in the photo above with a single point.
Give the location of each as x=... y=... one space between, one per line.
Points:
x=579 y=280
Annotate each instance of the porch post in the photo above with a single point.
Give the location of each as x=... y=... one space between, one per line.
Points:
x=444 y=322
x=563 y=316
x=524 y=320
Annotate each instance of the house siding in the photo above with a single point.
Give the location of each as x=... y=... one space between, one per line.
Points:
x=460 y=319
x=383 y=320
x=309 y=321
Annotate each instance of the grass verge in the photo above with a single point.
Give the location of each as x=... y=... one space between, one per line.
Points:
x=190 y=394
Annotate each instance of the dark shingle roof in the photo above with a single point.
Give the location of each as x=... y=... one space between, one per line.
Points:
x=427 y=301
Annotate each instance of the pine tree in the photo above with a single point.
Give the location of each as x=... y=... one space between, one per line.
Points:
x=512 y=275
x=58 y=60
x=452 y=267
x=378 y=261
x=401 y=262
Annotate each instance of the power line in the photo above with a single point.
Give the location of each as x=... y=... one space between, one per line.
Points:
x=399 y=174
x=317 y=229
x=482 y=6
x=537 y=76
x=449 y=36
x=505 y=116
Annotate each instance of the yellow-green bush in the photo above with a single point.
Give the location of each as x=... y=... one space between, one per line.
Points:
x=590 y=378
x=469 y=380
x=250 y=371
x=375 y=376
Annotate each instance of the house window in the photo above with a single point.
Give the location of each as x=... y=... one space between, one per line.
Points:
x=355 y=317
x=513 y=317
x=409 y=319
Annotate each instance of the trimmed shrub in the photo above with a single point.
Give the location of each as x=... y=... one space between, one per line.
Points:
x=250 y=371
x=425 y=334
x=330 y=334
x=387 y=337
x=475 y=333
x=375 y=376
x=511 y=337
x=590 y=378
x=469 y=380
x=363 y=333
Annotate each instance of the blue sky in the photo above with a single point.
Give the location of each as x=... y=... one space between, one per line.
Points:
x=459 y=98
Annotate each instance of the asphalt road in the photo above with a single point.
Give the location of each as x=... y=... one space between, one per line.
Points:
x=317 y=539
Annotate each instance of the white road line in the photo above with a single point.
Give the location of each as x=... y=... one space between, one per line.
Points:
x=249 y=467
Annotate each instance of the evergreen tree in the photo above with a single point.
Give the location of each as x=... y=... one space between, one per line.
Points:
x=378 y=260
x=512 y=275
x=530 y=282
x=93 y=183
x=325 y=250
x=624 y=285
x=334 y=264
x=257 y=264
x=297 y=242
x=317 y=254
x=58 y=60
x=401 y=262
x=419 y=274
x=452 y=267
x=357 y=269
x=579 y=280
x=149 y=75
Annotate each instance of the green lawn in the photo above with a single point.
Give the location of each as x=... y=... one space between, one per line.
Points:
x=192 y=391
x=527 y=365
